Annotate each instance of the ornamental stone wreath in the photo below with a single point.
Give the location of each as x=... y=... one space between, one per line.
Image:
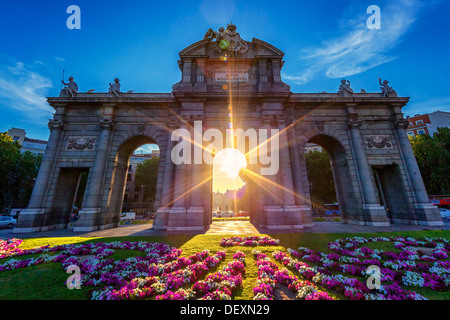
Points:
x=163 y=274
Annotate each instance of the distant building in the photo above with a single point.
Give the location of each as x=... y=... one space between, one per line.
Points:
x=311 y=147
x=33 y=145
x=133 y=192
x=427 y=123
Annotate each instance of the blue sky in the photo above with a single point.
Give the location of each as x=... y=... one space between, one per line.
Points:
x=139 y=41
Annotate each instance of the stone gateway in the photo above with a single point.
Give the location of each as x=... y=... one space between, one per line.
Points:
x=377 y=179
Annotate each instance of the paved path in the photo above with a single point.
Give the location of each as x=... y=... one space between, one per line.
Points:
x=219 y=227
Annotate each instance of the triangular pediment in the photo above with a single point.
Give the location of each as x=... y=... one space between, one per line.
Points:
x=209 y=49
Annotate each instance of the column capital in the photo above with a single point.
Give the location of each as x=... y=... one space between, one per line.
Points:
x=281 y=120
x=354 y=123
x=198 y=117
x=187 y=119
x=266 y=120
x=106 y=124
x=174 y=122
x=54 y=124
x=400 y=123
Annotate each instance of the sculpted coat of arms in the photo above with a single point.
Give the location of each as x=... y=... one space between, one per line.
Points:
x=227 y=40
x=80 y=143
x=378 y=142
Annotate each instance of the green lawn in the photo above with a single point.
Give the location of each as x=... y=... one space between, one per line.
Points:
x=47 y=281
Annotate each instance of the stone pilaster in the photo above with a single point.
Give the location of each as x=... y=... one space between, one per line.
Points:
x=200 y=84
x=162 y=215
x=196 y=211
x=177 y=213
x=263 y=78
x=292 y=213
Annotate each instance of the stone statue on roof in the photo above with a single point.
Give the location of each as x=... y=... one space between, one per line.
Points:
x=114 y=87
x=71 y=89
x=344 y=89
x=386 y=90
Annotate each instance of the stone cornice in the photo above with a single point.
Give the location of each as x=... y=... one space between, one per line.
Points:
x=334 y=99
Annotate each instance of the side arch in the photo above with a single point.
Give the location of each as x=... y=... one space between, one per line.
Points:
x=117 y=171
x=344 y=180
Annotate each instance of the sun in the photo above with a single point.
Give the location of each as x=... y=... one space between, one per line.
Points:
x=231 y=161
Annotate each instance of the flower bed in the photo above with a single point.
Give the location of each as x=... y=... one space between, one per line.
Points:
x=9 y=247
x=410 y=267
x=269 y=276
x=164 y=278
x=251 y=241
x=163 y=274
x=217 y=286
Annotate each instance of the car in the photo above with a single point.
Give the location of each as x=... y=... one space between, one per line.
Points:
x=7 y=222
x=228 y=214
x=445 y=213
x=15 y=213
x=242 y=213
x=128 y=216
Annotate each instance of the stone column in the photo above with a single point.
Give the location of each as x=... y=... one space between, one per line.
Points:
x=195 y=213
x=373 y=213
x=162 y=214
x=292 y=214
x=426 y=213
x=285 y=165
x=301 y=198
x=89 y=215
x=273 y=211
x=177 y=213
x=31 y=219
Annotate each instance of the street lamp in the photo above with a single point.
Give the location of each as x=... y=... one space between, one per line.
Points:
x=310 y=186
x=141 y=196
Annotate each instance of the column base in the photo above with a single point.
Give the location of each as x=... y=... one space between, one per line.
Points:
x=428 y=214
x=30 y=220
x=282 y=218
x=366 y=223
x=307 y=217
x=87 y=220
x=182 y=219
x=160 y=221
x=375 y=215
x=176 y=218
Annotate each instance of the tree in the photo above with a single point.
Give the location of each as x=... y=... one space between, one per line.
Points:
x=433 y=158
x=25 y=173
x=17 y=170
x=321 y=177
x=147 y=176
x=9 y=156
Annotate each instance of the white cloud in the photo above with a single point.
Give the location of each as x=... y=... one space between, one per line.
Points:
x=360 y=48
x=25 y=90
